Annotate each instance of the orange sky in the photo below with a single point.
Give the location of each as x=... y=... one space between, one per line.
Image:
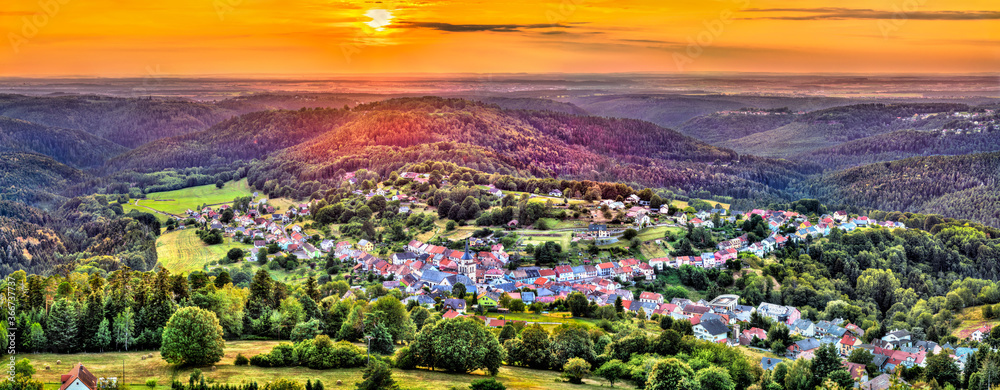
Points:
x=231 y=37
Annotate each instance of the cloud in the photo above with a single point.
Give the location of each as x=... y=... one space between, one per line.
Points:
x=448 y=27
x=834 y=13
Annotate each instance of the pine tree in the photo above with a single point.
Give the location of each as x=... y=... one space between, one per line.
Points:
x=62 y=326
x=91 y=319
x=36 y=338
x=102 y=339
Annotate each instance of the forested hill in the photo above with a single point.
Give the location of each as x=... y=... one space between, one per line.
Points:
x=533 y=104
x=385 y=136
x=830 y=127
x=72 y=147
x=966 y=186
x=129 y=122
x=246 y=137
x=720 y=127
x=34 y=178
x=901 y=144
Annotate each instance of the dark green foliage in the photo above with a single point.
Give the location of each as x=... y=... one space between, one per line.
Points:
x=70 y=147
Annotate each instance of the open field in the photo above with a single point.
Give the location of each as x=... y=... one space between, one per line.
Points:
x=178 y=201
x=538 y=237
x=182 y=251
x=972 y=319
x=681 y=204
x=128 y=207
x=137 y=371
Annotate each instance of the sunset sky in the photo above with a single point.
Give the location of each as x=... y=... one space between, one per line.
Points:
x=286 y=37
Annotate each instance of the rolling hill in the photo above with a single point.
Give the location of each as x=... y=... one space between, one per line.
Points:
x=385 y=135
x=720 y=127
x=35 y=179
x=830 y=127
x=71 y=147
x=899 y=145
x=966 y=186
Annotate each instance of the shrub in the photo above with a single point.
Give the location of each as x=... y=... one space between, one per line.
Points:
x=487 y=384
x=150 y=383
x=241 y=360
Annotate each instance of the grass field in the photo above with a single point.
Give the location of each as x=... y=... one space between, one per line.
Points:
x=972 y=319
x=128 y=207
x=681 y=204
x=537 y=237
x=182 y=251
x=178 y=201
x=137 y=371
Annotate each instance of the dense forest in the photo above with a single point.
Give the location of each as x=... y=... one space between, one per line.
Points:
x=70 y=147
x=716 y=128
x=899 y=145
x=826 y=128
x=129 y=122
x=35 y=179
x=964 y=186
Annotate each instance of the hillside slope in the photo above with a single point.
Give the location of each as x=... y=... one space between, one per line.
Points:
x=899 y=145
x=34 y=179
x=72 y=147
x=826 y=128
x=129 y=122
x=966 y=186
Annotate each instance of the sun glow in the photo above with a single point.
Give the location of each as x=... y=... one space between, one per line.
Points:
x=380 y=19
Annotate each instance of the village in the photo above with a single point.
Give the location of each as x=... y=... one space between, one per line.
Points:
x=428 y=274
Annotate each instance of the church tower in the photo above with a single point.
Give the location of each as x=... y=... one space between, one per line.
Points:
x=467 y=265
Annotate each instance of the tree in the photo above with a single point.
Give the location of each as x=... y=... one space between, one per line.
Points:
x=62 y=330
x=36 y=337
x=125 y=328
x=235 y=254
x=879 y=286
x=490 y=383
x=223 y=279
x=613 y=371
x=458 y=291
x=219 y=184
x=377 y=376
x=459 y=345
x=192 y=336
x=20 y=377
x=670 y=374
x=507 y=333
x=532 y=350
x=715 y=378
x=575 y=370
x=842 y=378
x=942 y=369
x=570 y=341
x=578 y=304
x=629 y=234
x=102 y=339
x=826 y=361
x=390 y=312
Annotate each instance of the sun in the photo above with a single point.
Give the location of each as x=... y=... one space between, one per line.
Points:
x=380 y=19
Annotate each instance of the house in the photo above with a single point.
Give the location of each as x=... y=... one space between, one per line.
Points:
x=598 y=230
x=857 y=371
x=79 y=378
x=847 y=344
x=659 y=262
x=880 y=382
x=769 y=363
x=712 y=329
x=651 y=297
x=898 y=337
x=489 y=300
x=786 y=314
x=804 y=349
x=455 y=304
x=747 y=336
x=980 y=334
x=365 y=245
x=564 y=273
x=803 y=327
x=724 y=302
x=451 y=314
x=557 y=193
